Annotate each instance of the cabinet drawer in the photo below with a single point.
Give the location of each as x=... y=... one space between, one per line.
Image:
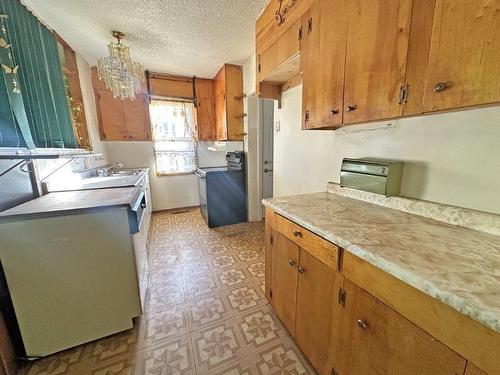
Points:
x=325 y=251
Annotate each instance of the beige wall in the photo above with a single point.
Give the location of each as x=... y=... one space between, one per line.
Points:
x=451 y=158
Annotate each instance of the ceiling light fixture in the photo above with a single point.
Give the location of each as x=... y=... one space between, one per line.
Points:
x=122 y=75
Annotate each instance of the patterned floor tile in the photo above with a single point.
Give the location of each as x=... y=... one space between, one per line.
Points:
x=206 y=311
x=232 y=277
x=243 y=298
x=280 y=360
x=174 y=357
x=163 y=324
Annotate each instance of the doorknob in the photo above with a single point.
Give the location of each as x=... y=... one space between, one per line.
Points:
x=291 y=262
x=301 y=269
x=441 y=86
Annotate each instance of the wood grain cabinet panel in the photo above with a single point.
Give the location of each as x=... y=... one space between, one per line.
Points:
x=284 y=279
x=228 y=96
x=377 y=340
x=205 y=109
x=315 y=308
x=322 y=56
x=121 y=120
x=375 y=65
x=464 y=55
x=473 y=370
x=111 y=116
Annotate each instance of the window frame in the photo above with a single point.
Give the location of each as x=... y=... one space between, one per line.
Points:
x=195 y=140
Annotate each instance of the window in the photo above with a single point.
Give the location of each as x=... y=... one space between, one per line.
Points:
x=174 y=137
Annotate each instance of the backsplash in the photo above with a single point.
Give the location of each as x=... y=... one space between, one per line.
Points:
x=464 y=217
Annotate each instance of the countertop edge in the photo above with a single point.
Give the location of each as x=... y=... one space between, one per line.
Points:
x=479 y=314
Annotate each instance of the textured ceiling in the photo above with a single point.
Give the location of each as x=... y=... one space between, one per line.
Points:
x=191 y=37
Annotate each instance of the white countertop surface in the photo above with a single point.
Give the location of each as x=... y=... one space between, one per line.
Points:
x=456 y=265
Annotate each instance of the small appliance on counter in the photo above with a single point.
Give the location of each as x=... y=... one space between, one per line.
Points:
x=375 y=176
x=223 y=195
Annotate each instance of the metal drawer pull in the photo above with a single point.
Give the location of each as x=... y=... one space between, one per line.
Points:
x=297 y=233
x=362 y=324
x=291 y=262
x=440 y=86
x=351 y=108
x=301 y=269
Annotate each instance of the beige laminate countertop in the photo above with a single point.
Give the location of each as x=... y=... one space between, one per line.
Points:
x=456 y=265
x=67 y=202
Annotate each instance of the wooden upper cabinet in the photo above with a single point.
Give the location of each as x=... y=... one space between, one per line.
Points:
x=322 y=58
x=464 y=55
x=228 y=96
x=315 y=309
x=205 y=109
x=374 y=339
x=285 y=260
x=375 y=65
x=111 y=116
x=136 y=114
x=121 y=120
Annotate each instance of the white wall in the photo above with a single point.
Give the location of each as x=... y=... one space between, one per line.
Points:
x=451 y=158
x=167 y=191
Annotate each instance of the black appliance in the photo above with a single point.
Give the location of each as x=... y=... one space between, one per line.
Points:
x=223 y=193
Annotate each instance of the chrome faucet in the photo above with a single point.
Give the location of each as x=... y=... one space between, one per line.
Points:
x=104 y=171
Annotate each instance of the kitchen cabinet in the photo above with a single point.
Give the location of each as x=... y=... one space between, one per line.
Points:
x=228 y=96
x=374 y=339
x=316 y=289
x=205 y=109
x=302 y=289
x=320 y=291
x=375 y=62
x=322 y=59
x=121 y=120
x=463 y=67
x=285 y=278
x=473 y=370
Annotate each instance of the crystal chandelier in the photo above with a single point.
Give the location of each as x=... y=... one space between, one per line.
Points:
x=122 y=75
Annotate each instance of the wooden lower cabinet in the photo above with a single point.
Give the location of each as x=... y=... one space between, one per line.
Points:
x=285 y=257
x=316 y=307
x=330 y=301
x=374 y=339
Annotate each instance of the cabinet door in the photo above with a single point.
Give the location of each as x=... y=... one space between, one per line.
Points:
x=284 y=279
x=205 y=110
x=473 y=370
x=136 y=114
x=111 y=117
x=314 y=314
x=374 y=339
x=234 y=102
x=322 y=55
x=377 y=47
x=220 y=105
x=464 y=55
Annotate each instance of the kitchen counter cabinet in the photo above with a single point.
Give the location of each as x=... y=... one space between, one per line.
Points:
x=375 y=339
x=443 y=337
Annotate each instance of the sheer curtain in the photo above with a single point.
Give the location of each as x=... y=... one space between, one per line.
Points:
x=174 y=136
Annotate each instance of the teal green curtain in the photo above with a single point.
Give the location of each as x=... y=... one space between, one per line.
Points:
x=34 y=50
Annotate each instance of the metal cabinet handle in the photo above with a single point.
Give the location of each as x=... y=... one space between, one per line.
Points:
x=291 y=262
x=267 y=170
x=440 y=86
x=334 y=111
x=297 y=233
x=362 y=324
x=301 y=269
x=351 y=108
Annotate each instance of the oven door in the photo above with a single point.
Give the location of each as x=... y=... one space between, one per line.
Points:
x=202 y=187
